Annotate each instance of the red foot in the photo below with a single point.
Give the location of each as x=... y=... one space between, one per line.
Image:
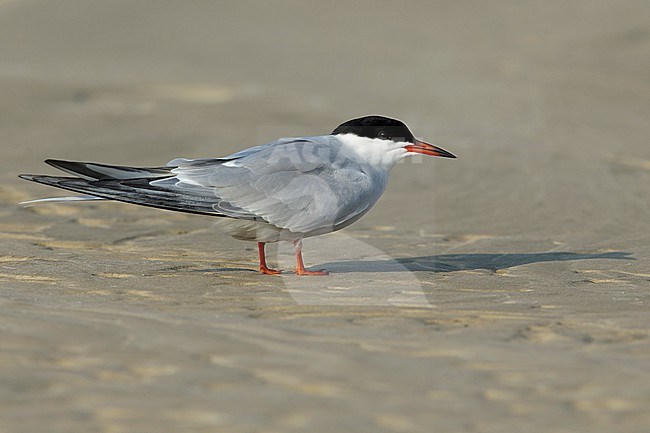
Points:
x=311 y=273
x=263 y=268
x=300 y=265
x=267 y=271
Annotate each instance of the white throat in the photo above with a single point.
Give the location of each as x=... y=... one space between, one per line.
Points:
x=374 y=151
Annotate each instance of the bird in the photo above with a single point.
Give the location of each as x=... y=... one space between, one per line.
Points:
x=285 y=190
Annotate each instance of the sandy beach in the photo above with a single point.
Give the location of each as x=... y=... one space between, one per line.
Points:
x=505 y=291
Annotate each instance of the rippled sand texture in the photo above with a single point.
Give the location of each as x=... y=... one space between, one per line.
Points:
x=506 y=291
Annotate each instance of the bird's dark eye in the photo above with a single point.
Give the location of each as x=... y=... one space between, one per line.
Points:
x=383 y=135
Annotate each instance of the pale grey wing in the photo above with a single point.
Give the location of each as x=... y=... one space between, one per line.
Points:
x=237 y=155
x=300 y=185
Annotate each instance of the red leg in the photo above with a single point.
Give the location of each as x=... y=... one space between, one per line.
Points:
x=263 y=268
x=300 y=265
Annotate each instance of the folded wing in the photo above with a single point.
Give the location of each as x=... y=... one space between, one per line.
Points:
x=300 y=185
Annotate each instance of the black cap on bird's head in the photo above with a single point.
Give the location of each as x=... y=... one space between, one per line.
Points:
x=385 y=128
x=380 y=127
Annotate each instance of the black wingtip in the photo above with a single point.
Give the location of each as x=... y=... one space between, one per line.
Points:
x=58 y=163
x=27 y=176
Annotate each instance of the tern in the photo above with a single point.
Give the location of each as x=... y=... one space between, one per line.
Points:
x=284 y=190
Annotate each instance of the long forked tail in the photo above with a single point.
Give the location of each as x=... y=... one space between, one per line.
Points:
x=54 y=200
x=94 y=171
x=136 y=191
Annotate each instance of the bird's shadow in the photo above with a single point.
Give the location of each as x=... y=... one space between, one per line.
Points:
x=464 y=262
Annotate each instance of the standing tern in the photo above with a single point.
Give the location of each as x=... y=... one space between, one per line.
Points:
x=288 y=189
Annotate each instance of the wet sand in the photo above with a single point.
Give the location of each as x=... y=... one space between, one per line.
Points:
x=507 y=290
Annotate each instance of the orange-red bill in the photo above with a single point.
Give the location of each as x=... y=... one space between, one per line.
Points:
x=428 y=149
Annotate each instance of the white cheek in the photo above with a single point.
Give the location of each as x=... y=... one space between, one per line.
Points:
x=375 y=151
